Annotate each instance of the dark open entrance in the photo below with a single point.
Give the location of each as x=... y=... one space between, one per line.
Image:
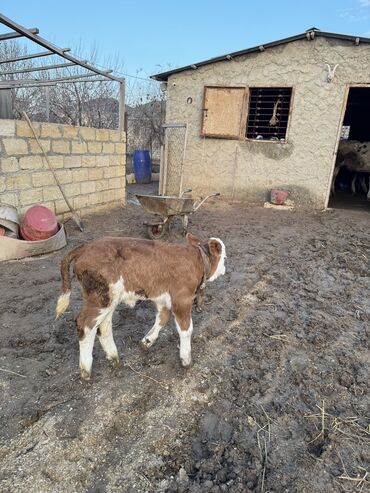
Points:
x=350 y=187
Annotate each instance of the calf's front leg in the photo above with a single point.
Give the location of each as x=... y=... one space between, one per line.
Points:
x=184 y=325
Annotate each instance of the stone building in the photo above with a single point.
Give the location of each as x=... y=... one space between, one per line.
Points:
x=270 y=117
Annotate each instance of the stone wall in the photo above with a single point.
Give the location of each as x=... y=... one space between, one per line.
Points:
x=89 y=163
x=247 y=169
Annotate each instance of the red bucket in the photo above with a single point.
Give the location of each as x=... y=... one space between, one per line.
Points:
x=39 y=223
x=278 y=197
x=2 y=231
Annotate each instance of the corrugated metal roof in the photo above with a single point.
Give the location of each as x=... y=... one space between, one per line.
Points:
x=310 y=34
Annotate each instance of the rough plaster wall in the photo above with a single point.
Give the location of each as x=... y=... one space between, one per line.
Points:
x=248 y=169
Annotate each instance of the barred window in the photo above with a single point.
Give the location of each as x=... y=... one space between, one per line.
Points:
x=268 y=113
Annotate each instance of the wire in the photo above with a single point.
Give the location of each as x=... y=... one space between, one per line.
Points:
x=120 y=73
x=114 y=71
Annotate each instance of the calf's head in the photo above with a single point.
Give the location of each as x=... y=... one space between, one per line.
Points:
x=216 y=251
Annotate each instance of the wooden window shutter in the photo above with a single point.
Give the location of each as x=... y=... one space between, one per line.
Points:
x=223 y=112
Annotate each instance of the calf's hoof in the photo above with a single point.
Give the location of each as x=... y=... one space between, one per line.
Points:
x=85 y=375
x=115 y=362
x=186 y=362
x=145 y=344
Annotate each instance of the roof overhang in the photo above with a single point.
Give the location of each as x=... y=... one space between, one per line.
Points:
x=309 y=35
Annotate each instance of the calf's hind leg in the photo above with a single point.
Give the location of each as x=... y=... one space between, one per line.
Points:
x=87 y=326
x=162 y=318
x=105 y=335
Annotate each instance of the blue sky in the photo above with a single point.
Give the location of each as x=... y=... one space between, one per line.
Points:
x=151 y=36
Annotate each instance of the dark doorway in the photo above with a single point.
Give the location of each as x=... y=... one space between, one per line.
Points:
x=350 y=187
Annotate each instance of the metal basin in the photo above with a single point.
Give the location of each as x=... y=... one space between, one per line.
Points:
x=9 y=219
x=9 y=213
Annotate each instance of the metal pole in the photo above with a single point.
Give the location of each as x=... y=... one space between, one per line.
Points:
x=39 y=69
x=47 y=103
x=26 y=82
x=32 y=55
x=75 y=216
x=161 y=166
x=183 y=158
x=49 y=46
x=12 y=35
x=121 y=115
x=3 y=84
x=165 y=162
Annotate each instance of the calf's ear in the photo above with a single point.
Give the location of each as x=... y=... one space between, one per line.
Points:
x=215 y=247
x=193 y=240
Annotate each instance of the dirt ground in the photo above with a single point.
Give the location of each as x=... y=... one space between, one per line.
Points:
x=276 y=399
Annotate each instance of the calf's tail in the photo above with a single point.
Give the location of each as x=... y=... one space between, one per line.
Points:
x=63 y=300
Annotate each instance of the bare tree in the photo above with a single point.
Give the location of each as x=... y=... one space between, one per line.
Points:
x=24 y=99
x=146 y=107
x=76 y=103
x=93 y=104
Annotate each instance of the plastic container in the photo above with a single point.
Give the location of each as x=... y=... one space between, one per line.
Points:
x=279 y=197
x=142 y=166
x=39 y=223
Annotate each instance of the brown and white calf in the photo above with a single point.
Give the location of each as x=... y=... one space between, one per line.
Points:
x=355 y=156
x=115 y=270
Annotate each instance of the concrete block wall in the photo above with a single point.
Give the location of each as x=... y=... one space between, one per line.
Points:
x=89 y=163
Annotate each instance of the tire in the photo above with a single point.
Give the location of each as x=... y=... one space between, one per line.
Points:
x=157 y=231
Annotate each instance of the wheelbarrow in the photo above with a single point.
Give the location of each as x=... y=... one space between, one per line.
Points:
x=165 y=208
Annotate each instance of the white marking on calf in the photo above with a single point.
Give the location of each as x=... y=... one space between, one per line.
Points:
x=104 y=319
x=63 y=302
x=162 y=301
x=185 y=343
x=116 y=291
x=130 y=298
x=107 y=341
x=220 y=270
x=86 y=349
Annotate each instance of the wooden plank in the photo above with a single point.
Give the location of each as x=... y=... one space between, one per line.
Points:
x=223 y=112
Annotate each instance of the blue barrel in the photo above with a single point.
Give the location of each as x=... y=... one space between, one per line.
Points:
x=142 y=166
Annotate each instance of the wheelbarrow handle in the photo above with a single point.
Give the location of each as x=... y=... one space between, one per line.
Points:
x=186 y=191
x=216 y=194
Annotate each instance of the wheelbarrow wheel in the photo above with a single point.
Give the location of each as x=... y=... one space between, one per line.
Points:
x=157 y=231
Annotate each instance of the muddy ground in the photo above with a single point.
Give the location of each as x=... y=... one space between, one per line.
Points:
x=276 y=399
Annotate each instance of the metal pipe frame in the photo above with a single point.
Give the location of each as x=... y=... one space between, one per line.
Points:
x=49 y=46
x=31 y=34
x=12 y=35
x=48 y=84
x=38 y=69
x=26 y=82
x=31 y=55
